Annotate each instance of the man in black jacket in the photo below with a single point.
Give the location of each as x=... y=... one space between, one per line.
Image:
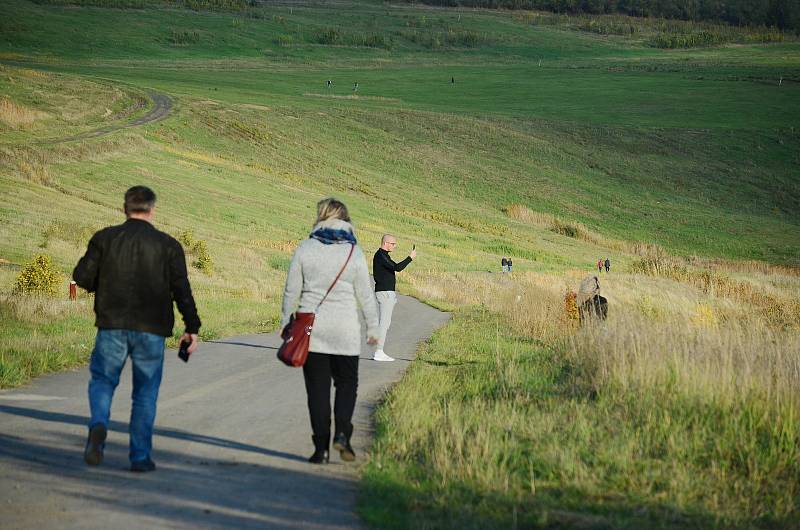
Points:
x=136 y=272
x=383 y=269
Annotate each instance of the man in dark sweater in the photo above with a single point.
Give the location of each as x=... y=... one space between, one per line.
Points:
x=136 y=272
x=383 y=269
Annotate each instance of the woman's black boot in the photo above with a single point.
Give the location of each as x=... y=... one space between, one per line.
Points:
x=342 y=443
x=321 y=455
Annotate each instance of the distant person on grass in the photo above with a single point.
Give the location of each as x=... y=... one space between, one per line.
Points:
x=336 y=338
x=510 y=265
x=504 y=264
x=384 y=269
x=136 y=273
x=599 y=265
x=607 y=264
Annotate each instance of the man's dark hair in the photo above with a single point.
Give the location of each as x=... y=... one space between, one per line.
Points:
x=139 y=199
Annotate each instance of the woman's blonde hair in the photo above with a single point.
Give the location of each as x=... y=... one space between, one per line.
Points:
x=330 y=208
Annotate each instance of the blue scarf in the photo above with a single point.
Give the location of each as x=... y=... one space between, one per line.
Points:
x=331 y=236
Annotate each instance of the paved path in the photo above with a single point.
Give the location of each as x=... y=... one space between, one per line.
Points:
x=162 y=107
x=232 y=438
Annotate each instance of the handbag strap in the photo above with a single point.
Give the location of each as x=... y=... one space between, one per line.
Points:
x=352 y=248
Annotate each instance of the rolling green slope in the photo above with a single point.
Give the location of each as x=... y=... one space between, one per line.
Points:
x=553 y=146
x=639 y=137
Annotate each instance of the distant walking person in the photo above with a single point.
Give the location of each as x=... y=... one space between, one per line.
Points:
x=599 y=265
x=336 y=338
x=607 y=264
x=384 y=269
x=355 y=87
x=510 y=265
x=452 y=80
x=330 y=83
x=136 y=273
x=504 y=264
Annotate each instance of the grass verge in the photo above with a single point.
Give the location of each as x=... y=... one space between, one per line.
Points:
x=513 y=417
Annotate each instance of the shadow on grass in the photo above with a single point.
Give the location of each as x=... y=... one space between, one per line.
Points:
x=388 y=501
x=447 y=363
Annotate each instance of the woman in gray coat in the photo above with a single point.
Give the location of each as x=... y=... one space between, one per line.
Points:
x=336 y=338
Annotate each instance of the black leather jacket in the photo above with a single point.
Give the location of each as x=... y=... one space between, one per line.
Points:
x=136 y=272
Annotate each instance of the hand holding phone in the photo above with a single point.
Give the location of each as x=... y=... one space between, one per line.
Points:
x=183 y=351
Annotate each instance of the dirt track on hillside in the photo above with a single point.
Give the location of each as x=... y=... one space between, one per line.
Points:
x=162 y=107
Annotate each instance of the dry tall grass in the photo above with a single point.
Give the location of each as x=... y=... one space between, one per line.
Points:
x=692 y=379
x=780 y=306
x=578 y=230
x=513 y=298
x=709 y=339
x=18 y=116
x=29 y=164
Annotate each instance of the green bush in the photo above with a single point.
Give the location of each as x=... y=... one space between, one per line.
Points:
x=183 y=37
x=186 y=238
x=202 y=260
x=334 y=36
x=70 y=232
x=196 y=5
x=39 y=276
x=283 y=40
x=199 y=249
x=452 y=38
x=565 y=229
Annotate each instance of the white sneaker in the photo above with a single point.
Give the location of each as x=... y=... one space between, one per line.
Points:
x=379 y=355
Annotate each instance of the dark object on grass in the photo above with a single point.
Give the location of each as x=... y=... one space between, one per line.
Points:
x=590 y=303
x=597 y=307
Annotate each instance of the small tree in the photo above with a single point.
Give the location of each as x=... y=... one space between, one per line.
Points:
x=39 y=276
x=571 y=304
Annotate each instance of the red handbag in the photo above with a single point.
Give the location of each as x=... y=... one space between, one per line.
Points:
x=297 y=333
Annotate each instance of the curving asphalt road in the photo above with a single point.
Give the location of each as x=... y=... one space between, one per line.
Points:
x=162 y=107
x=232 y=438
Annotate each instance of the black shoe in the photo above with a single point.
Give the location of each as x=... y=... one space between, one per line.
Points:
x=93 y=454
x=320 y=456
x=143 y=466
x=343 y=445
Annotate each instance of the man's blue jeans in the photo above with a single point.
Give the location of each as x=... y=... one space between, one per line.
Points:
x=112 y=347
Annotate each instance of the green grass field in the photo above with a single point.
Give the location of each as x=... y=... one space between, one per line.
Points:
x=630 y=147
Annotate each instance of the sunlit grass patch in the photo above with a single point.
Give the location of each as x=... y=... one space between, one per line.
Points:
x=40 y=335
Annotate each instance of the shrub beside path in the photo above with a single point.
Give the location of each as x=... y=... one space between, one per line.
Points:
x=231 y=442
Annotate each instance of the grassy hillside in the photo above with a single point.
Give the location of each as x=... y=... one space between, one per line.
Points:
x=554 y=145
x=710 y=135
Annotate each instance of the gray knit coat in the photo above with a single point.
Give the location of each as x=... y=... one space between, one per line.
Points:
x=337 y=329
